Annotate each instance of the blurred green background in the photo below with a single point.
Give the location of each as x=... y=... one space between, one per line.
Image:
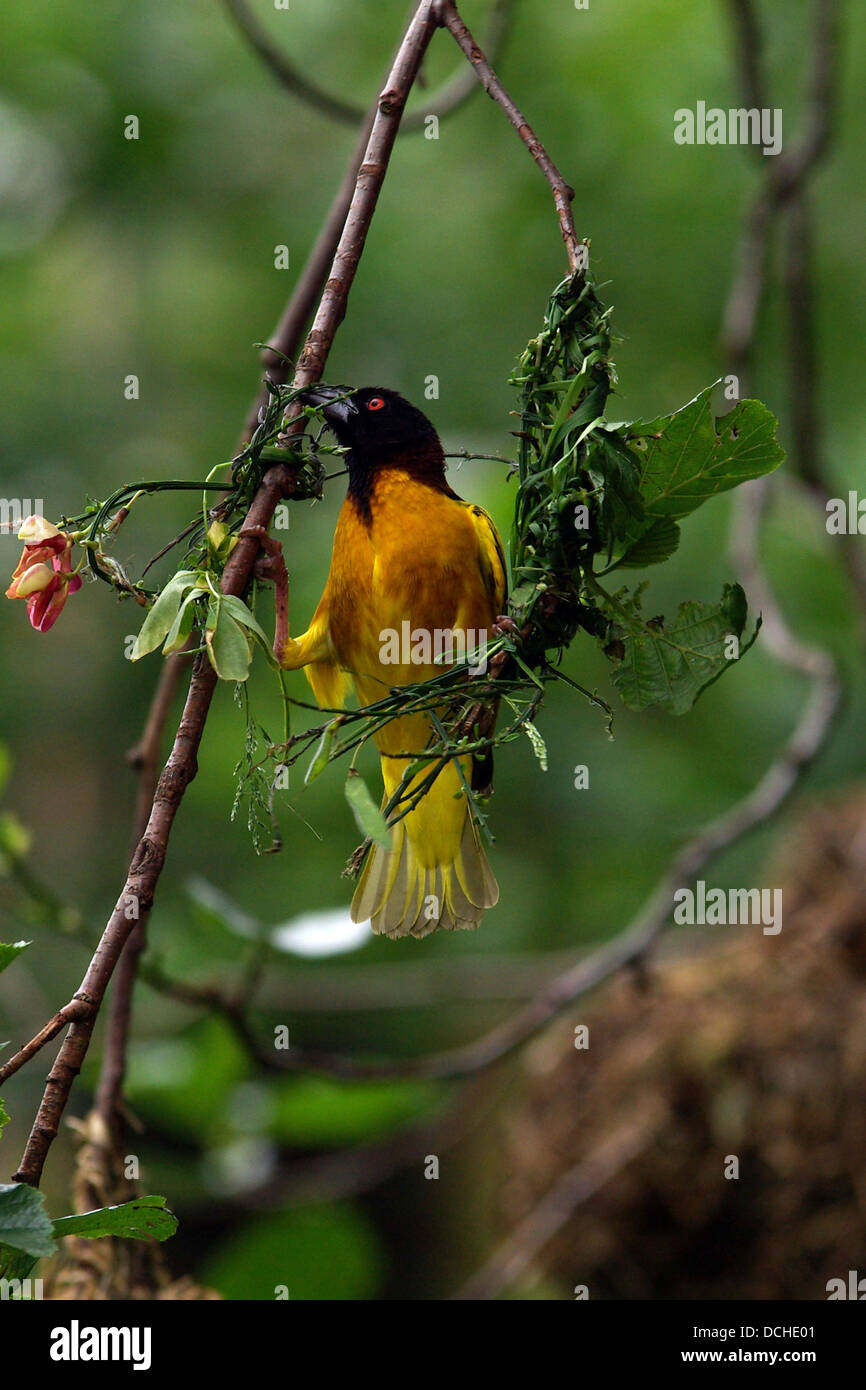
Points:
x=156 y=257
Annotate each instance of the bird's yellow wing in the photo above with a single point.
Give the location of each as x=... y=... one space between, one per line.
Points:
x=491 y=556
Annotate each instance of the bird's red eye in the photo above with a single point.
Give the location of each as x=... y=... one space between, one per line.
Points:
x=376 y=403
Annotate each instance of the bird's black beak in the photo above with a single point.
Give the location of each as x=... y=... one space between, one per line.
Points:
x=337 y=407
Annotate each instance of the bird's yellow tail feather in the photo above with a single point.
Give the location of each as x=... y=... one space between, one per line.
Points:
x=404 y=891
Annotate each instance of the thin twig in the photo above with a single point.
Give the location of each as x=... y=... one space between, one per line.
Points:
x=368 y=185
x=749 y=55
x=283 y=344
x=790 y=170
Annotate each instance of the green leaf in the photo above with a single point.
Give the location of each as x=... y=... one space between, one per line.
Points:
x=146 y=1218
x=568 y=415
x=323 y=752
x=182 y=625
x=688 y=457
x=367 y=814
x=15 y=1264
x=242 y=615
x=4 y=1114
x=228 y=646
x=10 y=951
x=615 y=476
x=161 y=616
x=24 y=1223
x=670 y=665
x=653 y=546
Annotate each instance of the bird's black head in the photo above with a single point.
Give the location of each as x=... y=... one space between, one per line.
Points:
x=372 y=421
x=381 y=429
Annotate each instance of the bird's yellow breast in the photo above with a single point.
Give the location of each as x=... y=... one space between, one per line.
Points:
x=414 y=558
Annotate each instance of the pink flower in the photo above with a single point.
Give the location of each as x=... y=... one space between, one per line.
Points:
x=43 y=576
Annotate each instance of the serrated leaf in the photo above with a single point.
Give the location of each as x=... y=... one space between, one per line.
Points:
x=145 y=1218
x=24 y=1223
x=669 y=665
x=688 y=457
x=655 y=545
x=161 y=616
x=367 y=814
x=10 y=951
x=227 y=644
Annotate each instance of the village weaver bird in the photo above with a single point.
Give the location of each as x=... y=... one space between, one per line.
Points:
x=407 y=550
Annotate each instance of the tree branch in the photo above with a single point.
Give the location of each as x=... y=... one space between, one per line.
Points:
x=144 y=758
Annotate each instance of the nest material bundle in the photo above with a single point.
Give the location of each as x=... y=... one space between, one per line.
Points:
x=753 y=1048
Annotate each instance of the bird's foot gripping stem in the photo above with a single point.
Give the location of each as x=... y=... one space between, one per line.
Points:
x=270 y=567
x=505 y=626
